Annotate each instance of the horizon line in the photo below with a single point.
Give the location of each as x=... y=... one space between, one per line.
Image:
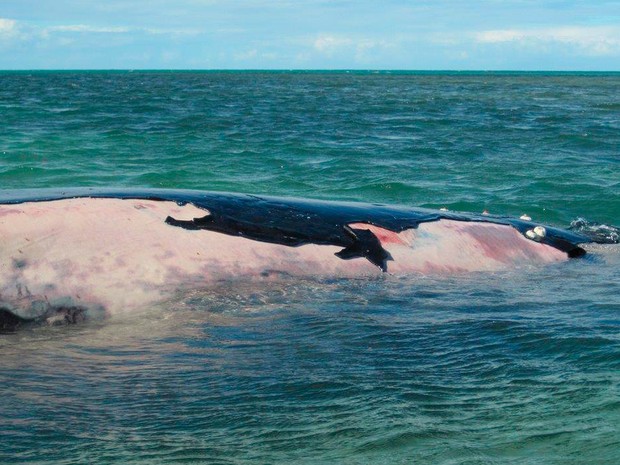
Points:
x=311 y=70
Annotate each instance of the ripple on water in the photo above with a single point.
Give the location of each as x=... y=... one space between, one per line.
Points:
x=519 y=367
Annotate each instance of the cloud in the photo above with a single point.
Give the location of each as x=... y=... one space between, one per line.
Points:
x=24 y=30
x=247 y=55
x=171 y=32
x=360 y=48
x=8 y=27
x=587 y=40
x=85 y=28
x=329 y=44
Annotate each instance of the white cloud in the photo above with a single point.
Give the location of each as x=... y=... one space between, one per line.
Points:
x=587 y=40
x=8 y=27
x=361 y=48
x=172 y=32
x=247 y=55
x=87 y=29
x=329 y=43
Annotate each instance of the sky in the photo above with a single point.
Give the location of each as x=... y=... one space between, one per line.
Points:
x=311 y=34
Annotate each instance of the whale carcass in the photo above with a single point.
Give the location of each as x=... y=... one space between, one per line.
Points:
x=65 y=253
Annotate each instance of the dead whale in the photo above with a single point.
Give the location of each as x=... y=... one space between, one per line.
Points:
x=67 y=253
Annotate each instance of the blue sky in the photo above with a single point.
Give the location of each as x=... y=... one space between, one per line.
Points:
x=310 y=34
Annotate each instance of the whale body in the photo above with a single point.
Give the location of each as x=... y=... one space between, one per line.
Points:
x=68 y=253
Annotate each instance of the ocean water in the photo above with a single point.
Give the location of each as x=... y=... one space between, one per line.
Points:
x=517 y=367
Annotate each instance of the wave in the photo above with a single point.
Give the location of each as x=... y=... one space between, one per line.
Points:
x=600 y=233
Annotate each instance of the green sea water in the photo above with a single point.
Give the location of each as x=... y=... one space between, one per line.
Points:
x=520 y=367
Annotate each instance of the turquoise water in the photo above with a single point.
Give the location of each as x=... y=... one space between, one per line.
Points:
x=519 y=367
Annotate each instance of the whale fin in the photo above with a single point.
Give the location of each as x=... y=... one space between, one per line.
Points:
x=195 y=224
x=365 y=245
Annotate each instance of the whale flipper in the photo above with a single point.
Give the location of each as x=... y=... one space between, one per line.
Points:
x=362 y=243
x=365 y=245
x=195 y=224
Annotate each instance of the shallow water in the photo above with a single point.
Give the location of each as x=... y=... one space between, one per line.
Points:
x=520 y=367
x=517 y=367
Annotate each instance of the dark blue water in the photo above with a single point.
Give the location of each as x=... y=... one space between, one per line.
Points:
x=518 y=367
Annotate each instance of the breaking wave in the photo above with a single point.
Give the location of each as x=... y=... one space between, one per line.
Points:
x=600 y=233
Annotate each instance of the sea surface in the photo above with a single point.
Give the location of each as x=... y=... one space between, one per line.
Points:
x=514 y=367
